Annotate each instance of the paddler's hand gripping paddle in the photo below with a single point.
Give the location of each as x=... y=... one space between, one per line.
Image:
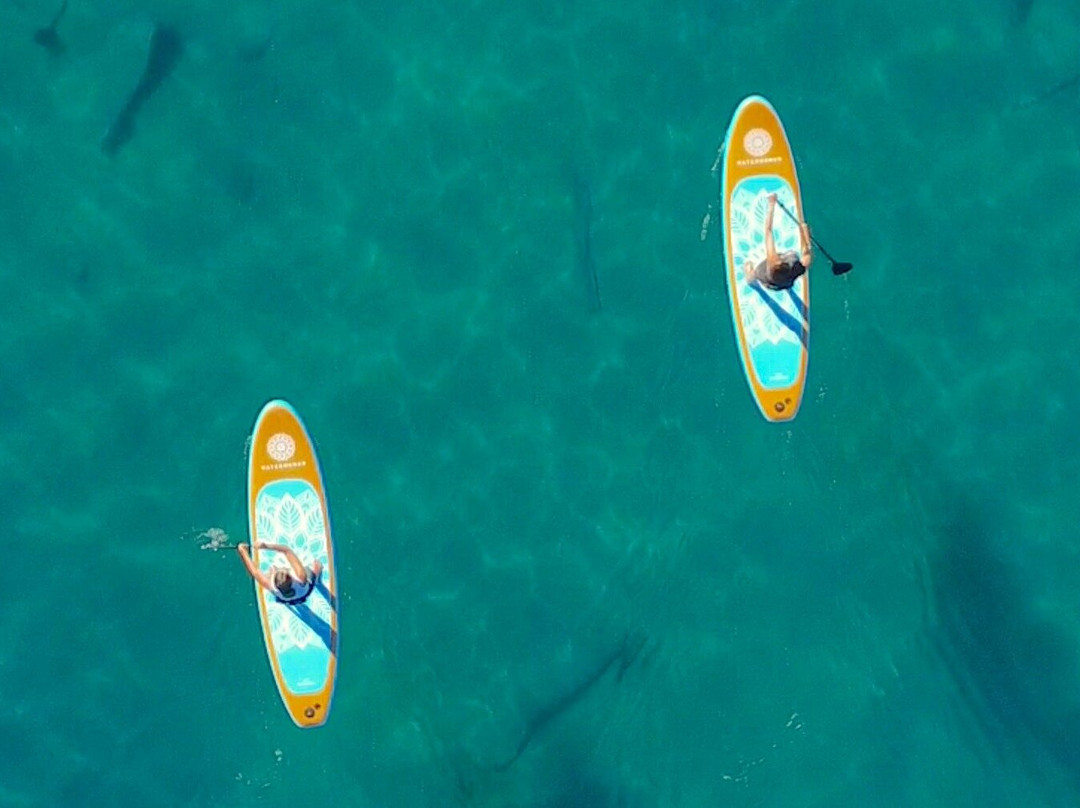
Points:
x=838 y=267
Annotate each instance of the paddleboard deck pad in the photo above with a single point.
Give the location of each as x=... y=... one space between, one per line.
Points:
x=287 y=505
x=772 y=328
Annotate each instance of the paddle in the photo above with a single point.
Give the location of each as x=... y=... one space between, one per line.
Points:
x=218 y=539
x=838 y=267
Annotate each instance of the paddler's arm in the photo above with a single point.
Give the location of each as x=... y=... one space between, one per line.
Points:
x=772 y=260
x=294 y=562
x=253 y=571
x=804 y=236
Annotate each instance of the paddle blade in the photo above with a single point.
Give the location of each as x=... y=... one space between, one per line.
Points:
x=842 y=269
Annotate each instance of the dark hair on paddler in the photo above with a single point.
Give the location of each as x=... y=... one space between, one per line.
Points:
x=283 y=581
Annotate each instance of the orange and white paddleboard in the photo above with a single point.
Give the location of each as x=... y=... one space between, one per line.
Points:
x=772 y=328
x=287 y=505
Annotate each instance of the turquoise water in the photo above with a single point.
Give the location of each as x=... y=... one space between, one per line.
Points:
x=368 y=209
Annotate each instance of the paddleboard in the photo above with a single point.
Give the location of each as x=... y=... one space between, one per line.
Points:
x=772 y=328
x=287 y=505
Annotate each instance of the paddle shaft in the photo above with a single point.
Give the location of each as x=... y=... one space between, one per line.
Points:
x=814 y=240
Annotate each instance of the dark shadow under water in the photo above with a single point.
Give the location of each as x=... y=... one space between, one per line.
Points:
x=1015 y=669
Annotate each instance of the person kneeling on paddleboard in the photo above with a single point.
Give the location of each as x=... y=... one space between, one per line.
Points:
x=780 y=271
x=289 y=585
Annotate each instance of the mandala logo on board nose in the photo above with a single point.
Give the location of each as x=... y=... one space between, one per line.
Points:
x=757 y=142
x=281 y=447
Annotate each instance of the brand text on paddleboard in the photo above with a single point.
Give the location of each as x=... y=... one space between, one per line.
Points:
x=296 y=464
x=758 y=161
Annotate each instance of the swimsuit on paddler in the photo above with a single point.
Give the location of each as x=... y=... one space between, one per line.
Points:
x=788 y=271
x=300 y=592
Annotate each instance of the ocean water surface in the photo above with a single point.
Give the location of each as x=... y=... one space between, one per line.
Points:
x=578 y=569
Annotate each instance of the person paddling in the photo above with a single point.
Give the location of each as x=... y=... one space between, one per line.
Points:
x=291 y=584
x=780 y=270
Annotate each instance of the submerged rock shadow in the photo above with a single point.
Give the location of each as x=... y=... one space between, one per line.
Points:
x=1015 y=670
